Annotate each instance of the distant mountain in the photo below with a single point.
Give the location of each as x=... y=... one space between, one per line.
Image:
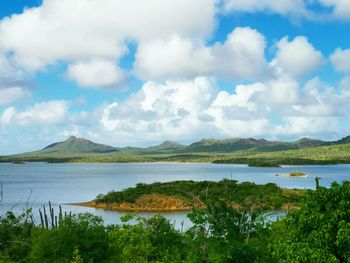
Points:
x=77 y=145
x=306 y=142
x=165 y=146
x=344 y=140
x=251 y=144
x=81 y=145
x=232 y=145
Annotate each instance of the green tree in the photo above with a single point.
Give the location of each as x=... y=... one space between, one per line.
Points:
x=15 y=236
x=84 y=231
x=319 y=231
x=149 y=240
x=222 y=233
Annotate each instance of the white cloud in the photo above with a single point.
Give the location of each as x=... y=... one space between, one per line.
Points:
x=279 y=108
x=188 y=110
x=45 y=113
x=84 y=29
x=6 y=69
x=241 y=97
x=270 y=109
x=296 y=58
x=8 y=115
x=285 y=7
x=170 y=110
x=172 y=58
x=345 y=85
x=241 y=56
x=340 y=59
x=11 y=89
x=325 y=10
x=278 y=92
x=341 y=8
x=308 y=126
x=95 y=73
x=12 y=93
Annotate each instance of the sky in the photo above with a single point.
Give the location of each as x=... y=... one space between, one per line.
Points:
x=131 y=72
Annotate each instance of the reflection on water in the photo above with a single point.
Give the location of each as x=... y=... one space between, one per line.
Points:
x=34 y=184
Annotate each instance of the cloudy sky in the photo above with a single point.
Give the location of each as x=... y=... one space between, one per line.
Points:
x=137 y=72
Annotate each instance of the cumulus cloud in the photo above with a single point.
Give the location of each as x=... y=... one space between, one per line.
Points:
x=171 y=58
x=275 y=108
x=171 y=109
x=75 y=31
x=45 y=113
x=95 y=73
x=296 y=58
x=340 y=59
x=186 y=110
x=241 y=56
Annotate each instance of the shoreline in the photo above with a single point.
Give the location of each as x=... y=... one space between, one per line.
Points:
x=93 y=204
x=182 y=162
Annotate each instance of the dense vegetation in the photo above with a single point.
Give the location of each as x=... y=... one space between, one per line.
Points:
x=194 y=194
x=318 y=232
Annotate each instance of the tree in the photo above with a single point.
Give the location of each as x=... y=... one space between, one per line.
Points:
x=15 y=236
x=319 y=231
x=150 y=240
x=222 y=233
x=83 y=231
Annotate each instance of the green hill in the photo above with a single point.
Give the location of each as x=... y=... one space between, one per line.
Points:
x=76 y=145
x=166 y=147
x=250 y=144
x=239 y=151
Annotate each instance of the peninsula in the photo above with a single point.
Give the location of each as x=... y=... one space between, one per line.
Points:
x=187 y=195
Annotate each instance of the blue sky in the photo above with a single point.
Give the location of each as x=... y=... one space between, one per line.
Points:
x=138 y=73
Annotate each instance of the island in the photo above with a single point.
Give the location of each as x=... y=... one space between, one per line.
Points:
x=187 y=195
x=298 y=174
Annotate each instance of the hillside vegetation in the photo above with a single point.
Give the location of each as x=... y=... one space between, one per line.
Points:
x=186 y=195
x=211 y=151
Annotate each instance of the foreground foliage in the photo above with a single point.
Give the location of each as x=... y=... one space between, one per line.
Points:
x=318 y=232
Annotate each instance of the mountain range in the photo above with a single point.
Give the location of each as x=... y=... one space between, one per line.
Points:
x=81 y=145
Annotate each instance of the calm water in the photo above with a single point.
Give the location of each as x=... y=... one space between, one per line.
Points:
x=37 y=183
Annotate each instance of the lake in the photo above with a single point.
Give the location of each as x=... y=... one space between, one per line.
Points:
x=34 y=184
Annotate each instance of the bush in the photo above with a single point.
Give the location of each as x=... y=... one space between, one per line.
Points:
x=319 y=231
x=15 y=236
x=84 y=232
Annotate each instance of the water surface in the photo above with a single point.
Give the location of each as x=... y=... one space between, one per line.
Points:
x=34 y=184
